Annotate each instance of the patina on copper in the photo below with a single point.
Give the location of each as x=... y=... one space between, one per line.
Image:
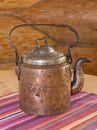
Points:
x=44 y=77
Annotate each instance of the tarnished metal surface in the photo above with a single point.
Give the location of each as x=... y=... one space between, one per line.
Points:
x=46 y=90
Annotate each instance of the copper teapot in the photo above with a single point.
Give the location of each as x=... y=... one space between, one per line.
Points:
x=44 y=76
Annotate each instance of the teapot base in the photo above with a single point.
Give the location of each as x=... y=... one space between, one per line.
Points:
x=41 y=112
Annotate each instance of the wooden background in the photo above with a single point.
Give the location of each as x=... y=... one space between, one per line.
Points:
x=82 y=15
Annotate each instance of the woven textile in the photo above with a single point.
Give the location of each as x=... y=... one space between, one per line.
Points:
x=82 y=115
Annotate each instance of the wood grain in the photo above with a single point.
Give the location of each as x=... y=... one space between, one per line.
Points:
x=79 y=14
x=9 y=6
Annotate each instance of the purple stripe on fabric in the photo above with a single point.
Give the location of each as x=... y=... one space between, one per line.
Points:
x=9 y=107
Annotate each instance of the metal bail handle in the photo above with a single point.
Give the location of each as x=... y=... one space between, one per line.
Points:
x=55 y=25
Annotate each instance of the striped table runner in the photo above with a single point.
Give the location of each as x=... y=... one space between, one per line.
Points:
x=81 y=116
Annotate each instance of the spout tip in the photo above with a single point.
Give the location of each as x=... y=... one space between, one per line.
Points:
x=86 y=59
x=83 y=59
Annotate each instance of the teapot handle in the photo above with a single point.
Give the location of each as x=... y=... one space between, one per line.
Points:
x=55 y=25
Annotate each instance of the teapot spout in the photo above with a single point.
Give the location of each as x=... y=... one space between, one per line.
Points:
x=78 y=78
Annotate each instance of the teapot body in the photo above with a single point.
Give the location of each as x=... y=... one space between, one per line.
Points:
x=45 y=90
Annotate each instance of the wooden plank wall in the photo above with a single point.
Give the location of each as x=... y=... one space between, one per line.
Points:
x=79 y=14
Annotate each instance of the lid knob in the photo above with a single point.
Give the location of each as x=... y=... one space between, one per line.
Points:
x=43 y=49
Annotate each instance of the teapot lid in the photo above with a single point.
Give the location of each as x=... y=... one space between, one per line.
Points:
x=43 y=55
